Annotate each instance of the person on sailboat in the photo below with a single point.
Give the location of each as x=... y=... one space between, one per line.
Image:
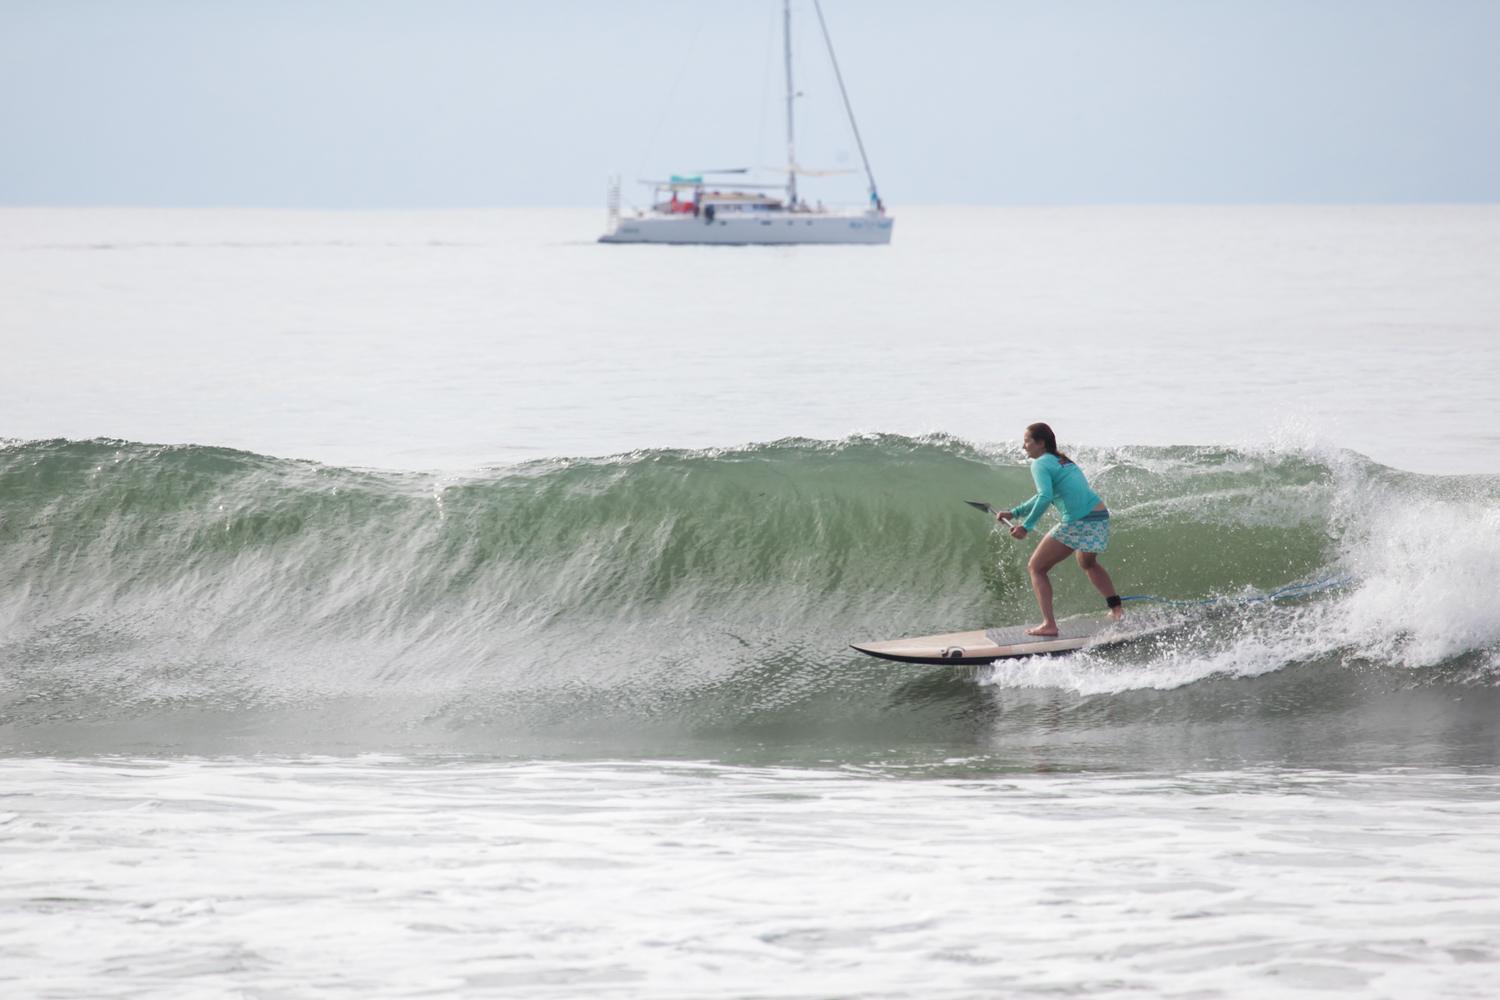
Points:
x=1084 y=529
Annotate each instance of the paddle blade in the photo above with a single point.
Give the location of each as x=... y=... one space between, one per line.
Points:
x=982 y=506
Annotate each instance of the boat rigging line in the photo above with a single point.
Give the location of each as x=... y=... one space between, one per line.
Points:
x=848 y=107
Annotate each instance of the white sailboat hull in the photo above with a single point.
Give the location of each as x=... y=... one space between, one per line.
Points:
x=751 y=228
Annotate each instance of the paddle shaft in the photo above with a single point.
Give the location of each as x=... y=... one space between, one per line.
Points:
x=992 y=512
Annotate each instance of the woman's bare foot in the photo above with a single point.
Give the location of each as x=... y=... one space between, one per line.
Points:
x=1118 y=614
x=1042 y=629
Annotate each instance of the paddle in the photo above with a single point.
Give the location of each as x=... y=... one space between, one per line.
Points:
x=992 y=512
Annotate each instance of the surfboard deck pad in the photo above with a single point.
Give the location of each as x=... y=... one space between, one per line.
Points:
x=989 y=645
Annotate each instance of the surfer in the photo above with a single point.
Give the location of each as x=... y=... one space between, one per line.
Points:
x=1084 y=529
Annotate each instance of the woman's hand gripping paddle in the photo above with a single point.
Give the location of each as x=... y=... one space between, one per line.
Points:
x=999 y=515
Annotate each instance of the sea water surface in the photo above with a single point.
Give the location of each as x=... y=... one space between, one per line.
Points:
x=442 y=604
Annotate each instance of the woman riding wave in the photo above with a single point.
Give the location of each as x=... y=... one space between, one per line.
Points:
x=1084 y=528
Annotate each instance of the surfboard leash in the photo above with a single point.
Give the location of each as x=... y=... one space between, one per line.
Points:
x=1300 y=590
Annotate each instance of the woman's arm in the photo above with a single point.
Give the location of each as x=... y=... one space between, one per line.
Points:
x=1041 y=474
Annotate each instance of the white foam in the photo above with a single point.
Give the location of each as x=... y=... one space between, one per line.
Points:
x=470 y=877
x=1422 y=556
x=1427 y=574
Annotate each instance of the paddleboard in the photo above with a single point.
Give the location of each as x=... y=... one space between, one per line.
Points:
x=988 y=645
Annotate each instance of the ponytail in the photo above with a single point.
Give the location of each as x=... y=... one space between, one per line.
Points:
x=1043 y=433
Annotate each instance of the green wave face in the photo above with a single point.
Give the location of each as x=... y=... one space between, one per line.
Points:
x=701 y=592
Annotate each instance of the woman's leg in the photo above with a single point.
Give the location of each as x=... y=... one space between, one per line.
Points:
x=1049 y=552
x=1099 y=578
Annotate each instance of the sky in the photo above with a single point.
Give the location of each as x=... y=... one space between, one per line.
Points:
x=485 y=103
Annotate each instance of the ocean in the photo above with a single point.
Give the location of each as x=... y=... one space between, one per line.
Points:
x=443 y=604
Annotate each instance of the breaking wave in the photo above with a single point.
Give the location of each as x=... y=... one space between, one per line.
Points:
x=697 y=589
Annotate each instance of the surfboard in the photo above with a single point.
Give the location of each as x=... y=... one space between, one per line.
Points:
x=988 y=645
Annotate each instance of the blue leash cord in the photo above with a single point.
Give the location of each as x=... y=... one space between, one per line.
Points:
x=1297 y=591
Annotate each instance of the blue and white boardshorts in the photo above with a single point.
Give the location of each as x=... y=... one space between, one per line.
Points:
x=1089 y=533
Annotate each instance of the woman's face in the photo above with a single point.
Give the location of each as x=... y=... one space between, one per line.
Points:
x=1032 y=447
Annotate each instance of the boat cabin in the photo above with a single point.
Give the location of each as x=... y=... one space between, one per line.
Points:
x=690 y=195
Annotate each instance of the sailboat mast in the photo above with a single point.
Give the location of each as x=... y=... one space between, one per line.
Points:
x=791 y=151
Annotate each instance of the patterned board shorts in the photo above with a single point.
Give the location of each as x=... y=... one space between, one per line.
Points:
x=1089 y=533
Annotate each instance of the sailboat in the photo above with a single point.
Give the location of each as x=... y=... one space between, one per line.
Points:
x=696 y=208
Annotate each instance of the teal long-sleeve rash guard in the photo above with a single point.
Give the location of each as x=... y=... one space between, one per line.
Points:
x=1058 y=484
